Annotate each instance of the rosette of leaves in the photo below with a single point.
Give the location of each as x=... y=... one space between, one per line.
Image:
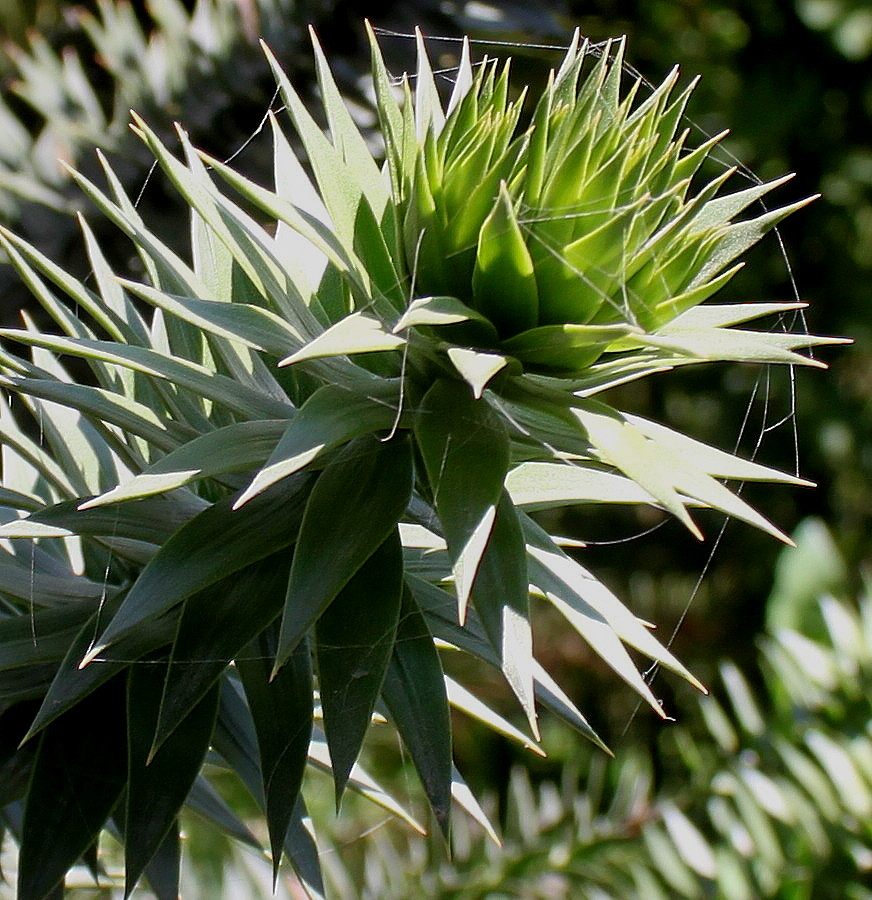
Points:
x=281 y=483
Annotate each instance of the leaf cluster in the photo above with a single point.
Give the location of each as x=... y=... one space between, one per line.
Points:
x=287 y=488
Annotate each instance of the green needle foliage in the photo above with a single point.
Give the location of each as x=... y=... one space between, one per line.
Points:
x=283 y=476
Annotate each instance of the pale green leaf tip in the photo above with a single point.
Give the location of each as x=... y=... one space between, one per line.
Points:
x=691 y=526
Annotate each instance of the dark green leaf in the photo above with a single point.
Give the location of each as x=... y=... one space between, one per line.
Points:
x=236 y=741
x=208 y=803
x=501 y=597
x=78 y=777
x=214 y=544
x=354 y=505
x=333 y=415
x=16 y=763
x=234 y=448
x=164 y=869
x=355 y=636
x=281 y=709
x=215 y=626
x=414 y=693
x=153 y=519
x=466 y=454
x=71 y=683
x=158 y=784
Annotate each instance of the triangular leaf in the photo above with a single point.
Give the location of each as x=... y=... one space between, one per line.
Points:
x=332 y=415
x=501 y=597
x=476 y=368
x=233 y=448
x=281 y=709
x=370 y=482
x=465 y=449
x=414 y=693
x=356 y=333
x=214 y=626
x=158 y=785
x=355 y=637
x=78 y=777
x=214 y=544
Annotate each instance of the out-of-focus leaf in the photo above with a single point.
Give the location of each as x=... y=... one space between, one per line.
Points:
x=355 y=637
x=370 y=481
